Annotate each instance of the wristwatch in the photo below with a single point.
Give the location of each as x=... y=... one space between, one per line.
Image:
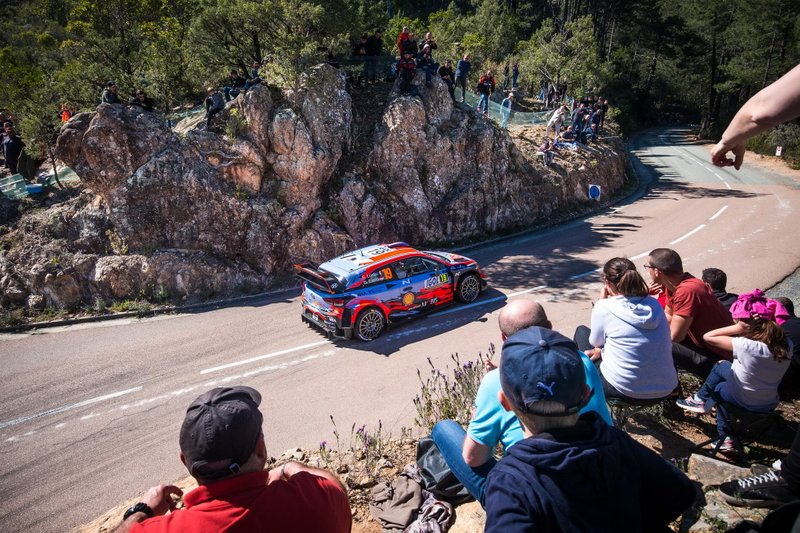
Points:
x=140 y=507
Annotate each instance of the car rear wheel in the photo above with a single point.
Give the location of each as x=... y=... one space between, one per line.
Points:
x=469 y=287
x=370 y=324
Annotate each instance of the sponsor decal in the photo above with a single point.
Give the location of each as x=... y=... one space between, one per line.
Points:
x=408 y=298
x=436 y=280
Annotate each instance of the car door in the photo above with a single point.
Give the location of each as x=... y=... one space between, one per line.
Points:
x=428 y=284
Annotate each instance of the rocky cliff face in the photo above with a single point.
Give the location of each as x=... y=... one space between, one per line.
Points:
x=187 y=213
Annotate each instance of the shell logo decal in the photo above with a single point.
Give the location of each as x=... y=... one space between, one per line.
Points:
x=408 y=298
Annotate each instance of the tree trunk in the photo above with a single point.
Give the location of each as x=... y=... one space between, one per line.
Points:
x=52 y=157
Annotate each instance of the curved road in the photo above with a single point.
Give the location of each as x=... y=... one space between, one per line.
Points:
x=90 y=414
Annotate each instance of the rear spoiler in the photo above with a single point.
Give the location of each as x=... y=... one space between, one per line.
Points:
x=318 y=278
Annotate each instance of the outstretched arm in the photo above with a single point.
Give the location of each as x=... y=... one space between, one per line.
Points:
x=775 y=104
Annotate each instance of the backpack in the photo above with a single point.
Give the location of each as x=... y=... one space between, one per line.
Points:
x=437 y=477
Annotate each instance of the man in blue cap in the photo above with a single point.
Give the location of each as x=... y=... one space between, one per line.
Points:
x=572 y=472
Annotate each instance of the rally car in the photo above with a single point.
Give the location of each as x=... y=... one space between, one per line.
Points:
x=360 y=292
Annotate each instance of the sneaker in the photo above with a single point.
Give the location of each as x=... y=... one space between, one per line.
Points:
x=726 y=446
x=777 y=465
x=694 y=404
x=765 y=490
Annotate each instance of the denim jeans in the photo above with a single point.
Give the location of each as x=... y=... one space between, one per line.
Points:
x=230 y=92
x=504 y=115
x=449 y=438
x=483 y=103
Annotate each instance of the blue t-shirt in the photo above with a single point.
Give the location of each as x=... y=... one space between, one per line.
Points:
x=492 y=423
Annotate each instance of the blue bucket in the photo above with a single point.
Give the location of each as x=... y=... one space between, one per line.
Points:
x=34 y=188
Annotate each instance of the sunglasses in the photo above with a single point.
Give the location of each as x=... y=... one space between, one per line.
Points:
x=650 y=266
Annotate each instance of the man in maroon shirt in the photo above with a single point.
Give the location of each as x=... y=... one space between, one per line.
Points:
x=222 y=446
x=692 y=311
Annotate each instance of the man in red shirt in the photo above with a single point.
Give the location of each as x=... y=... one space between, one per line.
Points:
x=692 y=311
x=222 y=446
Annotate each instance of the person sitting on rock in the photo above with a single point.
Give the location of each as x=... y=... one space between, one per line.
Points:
x=215 y=103
x=426 y=64
x=410 y=45
x=222 y=446
x=470 y=454
x=406 y=70
x=485 y=88
x=429 y=41
x=761 y=355
x=446 y=73
x=572 y=471
x=109 y=95
x=255 y=76
x=140 y=99
x=236 y=85
x=717 y=280
x=545 y=151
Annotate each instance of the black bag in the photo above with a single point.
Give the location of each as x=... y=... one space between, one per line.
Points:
x=437 y=477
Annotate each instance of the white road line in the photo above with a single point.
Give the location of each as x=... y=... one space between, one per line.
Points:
x=728 y=185
x=262 y=357
x=639 y=256
x=695 y=230
x=718 y=213
x=484 y=302
x=589 y=273
x=69 y=407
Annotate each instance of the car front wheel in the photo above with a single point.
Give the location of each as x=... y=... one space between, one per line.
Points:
x=370 y=324
x=469 y=287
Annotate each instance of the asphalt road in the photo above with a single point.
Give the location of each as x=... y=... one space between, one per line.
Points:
x=90 y=414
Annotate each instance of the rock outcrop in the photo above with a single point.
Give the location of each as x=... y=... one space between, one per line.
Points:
x=186 y=213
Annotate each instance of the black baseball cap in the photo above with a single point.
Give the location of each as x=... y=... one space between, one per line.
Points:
x=222 y=424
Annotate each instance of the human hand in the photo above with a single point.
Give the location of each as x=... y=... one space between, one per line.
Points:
x=655 y=288
x=162 y=498
x=595 y=354
x=489 y=365
x=719 y=155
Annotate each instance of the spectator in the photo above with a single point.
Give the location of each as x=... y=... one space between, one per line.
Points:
x=716 y=280
x=446 y=73
x=630 y=333
x=558 y=117
x=430 y=41
x=401 y=39
x=462 y=71
x=109 y=95
x=426 y=64
x=604 y=108
x=546 y=152
x=140 y=99
x=505 y=109
x=790 y=385
x=514 y=75
x=360 y=53
x=406 y=70
x=65 y=114
x=215 y=103
x=588 y=134
x=692 y=312
x=572 y=472
x=255 y=76
x=760 y=359
x=410 y=45
x=222 y=446
x=236 y=85
x=374 y=49
x=12 y=147
x=506 y=76
x=485 y=88
x=470 y=454
x=775 y=104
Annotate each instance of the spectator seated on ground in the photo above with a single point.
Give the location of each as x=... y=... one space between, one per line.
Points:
x=235 y=85
x=630 y=336
x=760 y=359
x=692 y=312
x=406 y=70
x=572 y=472
x=546 y=152
x=716 y=280
x=140 y=99
x=790 y=385
x=470 y=454
x=222 y=446
x=426 y=63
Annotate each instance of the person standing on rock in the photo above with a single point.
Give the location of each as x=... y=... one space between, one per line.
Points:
x=373 y=49
x=446 y=73
x=485 y=88
x=462 y=72
x=514 y=75
x=401 y=39
x=406 y=70
x=505 y=109
x=555 y=122
x=222 y=445
x=12 y=147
